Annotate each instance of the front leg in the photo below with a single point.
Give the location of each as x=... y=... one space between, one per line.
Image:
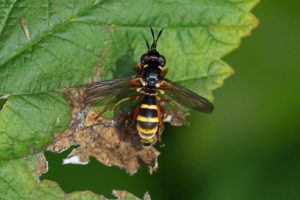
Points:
x=139 y=69
x=164 y=72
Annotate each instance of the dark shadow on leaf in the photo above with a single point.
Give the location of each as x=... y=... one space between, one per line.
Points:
x=2 y=103
x=126 y=65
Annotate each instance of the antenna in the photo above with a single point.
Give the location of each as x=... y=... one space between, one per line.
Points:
x=159 y=34
x=152 y=32
x=147 y=43
x=153 y=46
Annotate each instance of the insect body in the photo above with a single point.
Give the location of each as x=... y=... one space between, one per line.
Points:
x=150 y=83
x=148 y=122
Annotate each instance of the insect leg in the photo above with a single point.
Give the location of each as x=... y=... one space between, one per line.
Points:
x=125 y=99
x=117 y=104
x=131 y=116
x=162 y=99
x=136 y=82
x=139 y=69
x=161 y=114
x=165 y=71
x=163 y=102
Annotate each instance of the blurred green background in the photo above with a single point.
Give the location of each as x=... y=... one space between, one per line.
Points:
x=249 y=148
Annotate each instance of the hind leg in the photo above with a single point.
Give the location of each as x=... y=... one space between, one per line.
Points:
x=131 y=117
x=161 y=116
x=159 y=134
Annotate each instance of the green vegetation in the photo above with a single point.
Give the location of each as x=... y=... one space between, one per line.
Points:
x=49 y=45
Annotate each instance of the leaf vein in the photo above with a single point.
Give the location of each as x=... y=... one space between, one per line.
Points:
x=54 y=97
x=20 y=116
x=76 y=44
x=47 y=34
x=10 y=186
x=7 y=16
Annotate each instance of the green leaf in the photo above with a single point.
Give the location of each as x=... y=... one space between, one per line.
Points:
x=18 y=180
x=70 y=38
x=46 y=45
x=28 y=123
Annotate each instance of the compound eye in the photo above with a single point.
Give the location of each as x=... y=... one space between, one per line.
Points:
x=162 y=61
x=144 y=58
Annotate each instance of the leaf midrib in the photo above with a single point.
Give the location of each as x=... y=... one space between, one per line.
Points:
x=71 y=20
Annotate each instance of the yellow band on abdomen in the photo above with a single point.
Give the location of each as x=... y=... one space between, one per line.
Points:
x=145 y=119
x=153 y=107
x=146 y=131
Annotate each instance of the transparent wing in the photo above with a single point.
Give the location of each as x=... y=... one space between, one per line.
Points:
x=186 y=97
x=109 y=92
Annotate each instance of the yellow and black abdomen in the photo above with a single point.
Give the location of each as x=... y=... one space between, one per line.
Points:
x=147 y=119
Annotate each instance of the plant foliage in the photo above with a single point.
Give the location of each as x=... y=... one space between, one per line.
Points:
x=46 y=45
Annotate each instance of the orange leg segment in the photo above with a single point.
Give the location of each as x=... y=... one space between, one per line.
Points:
x=131 y=116
x=165 y=71
x=161 y=116
x=139 y=69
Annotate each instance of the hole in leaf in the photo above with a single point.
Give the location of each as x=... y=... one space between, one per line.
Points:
x=94 y=176
x=2 y=103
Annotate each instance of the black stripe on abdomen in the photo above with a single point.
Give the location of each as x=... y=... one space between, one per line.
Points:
x=147 y=119
x=147 y=125
x=148 y=113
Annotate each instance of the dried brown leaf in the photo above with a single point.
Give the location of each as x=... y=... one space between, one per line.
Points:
x=42 y=167
x=98 y=73
x=122 y=195
x=106 y=140
x=175 y=114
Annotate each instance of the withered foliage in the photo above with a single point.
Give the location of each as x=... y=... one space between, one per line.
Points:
x=175 y=114
x=121 y=194
x=106 y=140
x=42 y=166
